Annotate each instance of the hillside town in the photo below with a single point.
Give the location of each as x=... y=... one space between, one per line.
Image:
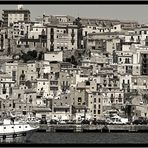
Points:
x=70 y=68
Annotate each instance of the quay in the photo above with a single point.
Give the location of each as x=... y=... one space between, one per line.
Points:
x=92 y=128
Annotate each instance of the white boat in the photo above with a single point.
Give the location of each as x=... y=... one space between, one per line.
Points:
x=14 y=131
x=33 y=120
x=117 y=120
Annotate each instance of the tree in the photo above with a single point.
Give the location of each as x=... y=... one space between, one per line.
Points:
x=25 y=57
x=34 y=54
x=30 y=55
x=28 y=84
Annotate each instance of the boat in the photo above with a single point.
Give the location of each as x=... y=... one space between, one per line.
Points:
x=115 y=119
x=12 y=131
x=33 y=120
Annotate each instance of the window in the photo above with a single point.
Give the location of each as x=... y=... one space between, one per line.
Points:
x=99 y=100
x=94 y=100
x=31 y=77
x=4 y=90
x=22 y=32
x=94 y=111
x=30 y=100
x=52 y=30
x=79 y=99
x=135 y=82
x=144 y=82
x=85 y=33
x=13 y=75
x=95 y=106
x=19 y=95
x=98 y=111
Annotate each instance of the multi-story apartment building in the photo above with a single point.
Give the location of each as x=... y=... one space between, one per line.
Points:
x=11 y=16
x=61 y=37
x=95 y=104
x=21 y=29
x=57 y=19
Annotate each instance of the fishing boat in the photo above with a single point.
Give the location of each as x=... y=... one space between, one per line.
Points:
x=12 y=131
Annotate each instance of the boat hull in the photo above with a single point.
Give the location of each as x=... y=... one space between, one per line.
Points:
x=19 y=137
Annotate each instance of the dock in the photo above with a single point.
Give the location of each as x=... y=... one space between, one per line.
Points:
x=92 y=128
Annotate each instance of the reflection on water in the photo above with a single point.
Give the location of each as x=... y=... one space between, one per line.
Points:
x=94 y=138
x=13 y=140
x=82 y=138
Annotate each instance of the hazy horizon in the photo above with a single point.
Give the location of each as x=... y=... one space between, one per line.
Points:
x=120 y=12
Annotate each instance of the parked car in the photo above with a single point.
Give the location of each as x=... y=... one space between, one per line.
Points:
x=63 y=122
x=85 y=122
x=102 y=122
x=71 y=122
x=43 y=121
x=52 y=121
x=140 y=120
x=94 y=122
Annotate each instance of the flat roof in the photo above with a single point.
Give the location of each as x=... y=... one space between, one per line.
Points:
x=16 y=10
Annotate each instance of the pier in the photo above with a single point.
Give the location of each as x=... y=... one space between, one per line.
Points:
x=92 y=128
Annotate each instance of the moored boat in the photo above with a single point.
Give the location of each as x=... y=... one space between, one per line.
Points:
x=12 y=131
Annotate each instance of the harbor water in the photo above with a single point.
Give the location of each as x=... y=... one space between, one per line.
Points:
x=88 y=138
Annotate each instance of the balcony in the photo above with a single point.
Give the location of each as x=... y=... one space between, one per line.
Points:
x=72 y=41
x=129 y=71
x=73 y=34
x=112 y=100
x=145 y=61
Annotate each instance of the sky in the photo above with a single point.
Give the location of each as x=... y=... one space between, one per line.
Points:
x=122 y=12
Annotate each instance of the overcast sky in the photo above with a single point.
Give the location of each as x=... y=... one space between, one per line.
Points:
x=123 y=12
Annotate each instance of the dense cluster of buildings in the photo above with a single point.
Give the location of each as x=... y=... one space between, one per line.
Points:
x=88 y=66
